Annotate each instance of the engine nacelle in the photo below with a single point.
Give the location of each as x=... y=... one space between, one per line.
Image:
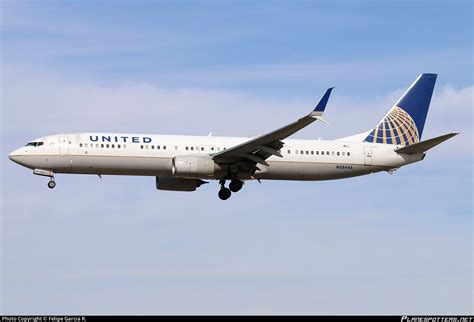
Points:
x=194 y=166
x=177 y=184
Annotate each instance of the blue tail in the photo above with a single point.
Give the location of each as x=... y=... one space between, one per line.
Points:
x=404 y=123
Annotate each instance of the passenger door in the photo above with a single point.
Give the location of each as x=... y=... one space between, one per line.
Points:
x=367 y=155
x=63 y=145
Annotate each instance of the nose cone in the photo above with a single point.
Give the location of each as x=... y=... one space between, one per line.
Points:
x=15 y=156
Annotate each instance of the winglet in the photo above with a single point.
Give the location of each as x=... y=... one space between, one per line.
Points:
x=324 y=100
x=322 y=120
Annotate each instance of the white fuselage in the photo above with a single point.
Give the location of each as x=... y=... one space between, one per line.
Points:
x=152 y=155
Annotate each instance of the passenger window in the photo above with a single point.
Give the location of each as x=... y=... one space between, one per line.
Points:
x=152 y=147
x=192 y=148
x=338 y=153
x=118 y=146
x=212 y=148
x=157 y=147
x=146 y=147
x=302 y=152
x=113 y=146
x=186 y=148
x=80 y=145
x=202 y=148
x=312 y=152
x=307 y=152
x=332 y=152
x=348 y=153
x=327 y=152
x=102 y=145
x=164 y=147
x=343 y=153
x=97 y=145
x=289 y=151
x=107 y=146
x=141 y=146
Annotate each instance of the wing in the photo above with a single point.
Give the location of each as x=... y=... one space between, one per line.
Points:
x=257 y=150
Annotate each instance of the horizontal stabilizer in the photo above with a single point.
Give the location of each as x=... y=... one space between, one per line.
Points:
x=424 y=146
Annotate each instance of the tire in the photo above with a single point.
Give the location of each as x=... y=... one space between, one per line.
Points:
x=235 y=185
x=51 y=184
x=224 y=194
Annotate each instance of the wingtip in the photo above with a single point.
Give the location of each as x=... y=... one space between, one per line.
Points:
x=324 y=100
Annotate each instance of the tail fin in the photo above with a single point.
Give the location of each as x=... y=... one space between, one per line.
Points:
x=403 y=124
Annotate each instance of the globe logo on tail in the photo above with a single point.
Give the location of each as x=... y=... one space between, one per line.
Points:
x=397 y=127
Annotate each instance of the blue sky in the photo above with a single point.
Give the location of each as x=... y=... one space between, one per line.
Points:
x=391 y=244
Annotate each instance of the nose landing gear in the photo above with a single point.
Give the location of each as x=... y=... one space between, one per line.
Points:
x=51 y=183
x=46 y=173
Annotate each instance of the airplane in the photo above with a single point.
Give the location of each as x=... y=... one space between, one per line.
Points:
x=183 y=163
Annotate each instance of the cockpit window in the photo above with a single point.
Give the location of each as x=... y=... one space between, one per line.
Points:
x=34 y=144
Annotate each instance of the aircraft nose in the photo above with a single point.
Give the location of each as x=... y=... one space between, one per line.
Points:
x=14 y=156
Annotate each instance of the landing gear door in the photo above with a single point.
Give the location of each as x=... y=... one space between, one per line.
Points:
x=63 y=145
x=367 y=155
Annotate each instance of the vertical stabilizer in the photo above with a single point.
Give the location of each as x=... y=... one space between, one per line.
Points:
x=404 y=123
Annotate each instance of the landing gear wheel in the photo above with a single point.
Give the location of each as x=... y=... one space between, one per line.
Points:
x=224 y=194
x=51 y=184
x=235 y=185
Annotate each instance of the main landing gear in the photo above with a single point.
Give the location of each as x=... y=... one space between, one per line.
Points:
x=234 y=186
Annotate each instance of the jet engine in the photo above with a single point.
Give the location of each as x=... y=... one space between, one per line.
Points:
x=194 y=166
x=178 y=184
